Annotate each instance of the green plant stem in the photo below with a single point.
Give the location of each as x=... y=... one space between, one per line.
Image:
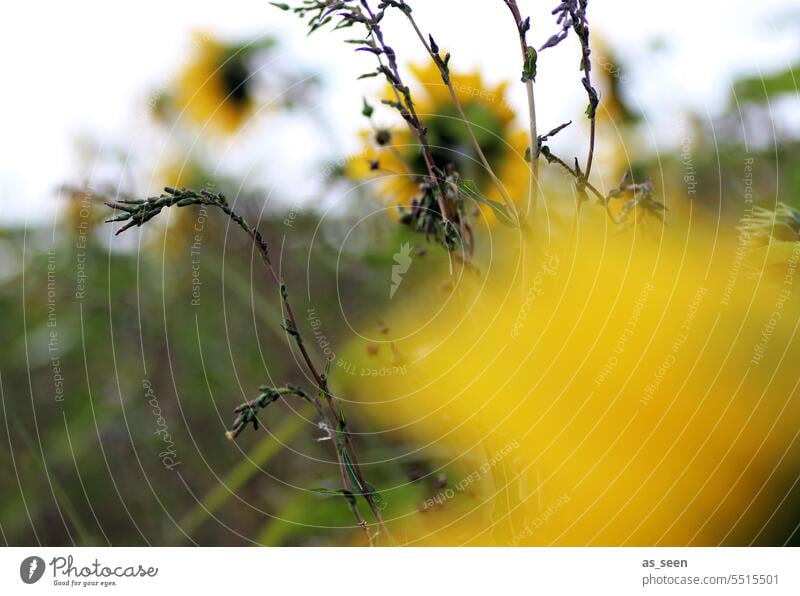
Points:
x=551 y=157
x=320 y=380
x=534 y=175
x=445 y=75
x=412 y=118
x=138 y=212
x=589 y=158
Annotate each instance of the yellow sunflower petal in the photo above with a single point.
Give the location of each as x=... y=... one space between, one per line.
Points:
x=208 y=91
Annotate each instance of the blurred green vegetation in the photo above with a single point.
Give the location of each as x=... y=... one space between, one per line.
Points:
x=82 y=465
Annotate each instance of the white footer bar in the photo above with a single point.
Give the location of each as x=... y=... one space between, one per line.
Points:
x=362 y=571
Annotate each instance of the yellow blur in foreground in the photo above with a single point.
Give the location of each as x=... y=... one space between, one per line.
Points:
x=611 y=389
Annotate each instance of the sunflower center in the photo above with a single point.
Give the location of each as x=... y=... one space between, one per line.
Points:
x=235 y=74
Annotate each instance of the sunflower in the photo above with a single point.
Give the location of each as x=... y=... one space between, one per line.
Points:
x=594 y=400
x=394 y=156
x=216 y=87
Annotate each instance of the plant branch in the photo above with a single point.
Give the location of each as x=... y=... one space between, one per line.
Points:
x=138 y=212
x=406 y=106
x=444 y=71
x=529 y=56
x=360 y=12
x=572 y=15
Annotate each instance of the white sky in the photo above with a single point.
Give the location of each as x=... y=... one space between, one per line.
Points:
x=85 y=68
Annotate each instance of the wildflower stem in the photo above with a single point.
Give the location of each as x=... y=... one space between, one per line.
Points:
x=137 y=212
x=522 y=28
x=407 y=105
x=319 y=378
x=347 y=13
x=572 y=15
x=552 y=158
x=445 y=74
x=592 y=127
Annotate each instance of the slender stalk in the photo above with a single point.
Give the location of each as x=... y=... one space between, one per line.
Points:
x=137 y=212
x=342 y=14
x=552 y=158
x=411 y=116
x=534 y=135
x=445 y=74
x=319 y=378
x=572 y=15
x=592 y=127
x=587 y=68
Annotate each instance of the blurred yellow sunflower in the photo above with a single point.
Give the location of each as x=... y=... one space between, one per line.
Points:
x=615 y=391
x=215 y=89
x=393 y=155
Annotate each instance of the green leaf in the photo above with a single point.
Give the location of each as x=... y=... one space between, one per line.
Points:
x=469 y=189
x=380 y=503
x=336 y=492
x=529 y=68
